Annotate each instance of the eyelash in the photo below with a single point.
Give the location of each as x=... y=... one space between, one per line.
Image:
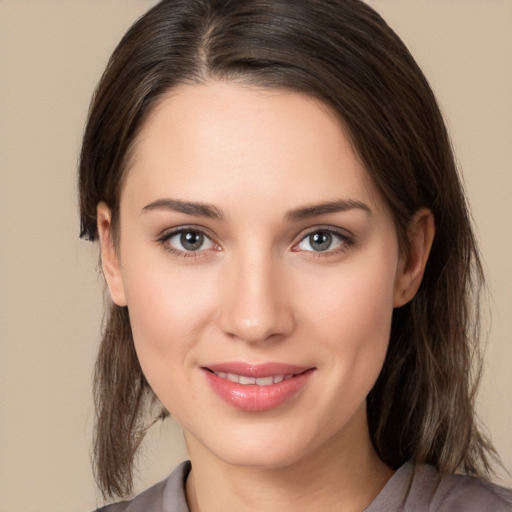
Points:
x=164 y=241
x=346 y=241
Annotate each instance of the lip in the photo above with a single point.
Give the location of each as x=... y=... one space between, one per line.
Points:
x=255 y=397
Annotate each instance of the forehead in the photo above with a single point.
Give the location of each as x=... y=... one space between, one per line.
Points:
x=219 y=140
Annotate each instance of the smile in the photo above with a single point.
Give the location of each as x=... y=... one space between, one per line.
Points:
x=258 y=381
x=257 y=388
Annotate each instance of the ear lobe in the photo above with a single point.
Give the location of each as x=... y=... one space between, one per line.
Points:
x=411 y=269
x=109 y=257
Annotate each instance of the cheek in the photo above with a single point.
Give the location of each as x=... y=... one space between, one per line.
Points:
x=351 y=316
x=168 y=311
x=168 y=308
x=356 y=300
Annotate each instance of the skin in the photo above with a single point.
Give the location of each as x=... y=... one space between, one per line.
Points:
x=256 y=291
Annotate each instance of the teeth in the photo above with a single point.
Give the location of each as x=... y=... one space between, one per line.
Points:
x=263 y=381
x=259 y=381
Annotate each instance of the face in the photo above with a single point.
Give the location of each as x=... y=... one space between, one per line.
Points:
x=260 y=268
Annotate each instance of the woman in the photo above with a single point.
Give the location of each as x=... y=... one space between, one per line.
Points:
x=291 y=265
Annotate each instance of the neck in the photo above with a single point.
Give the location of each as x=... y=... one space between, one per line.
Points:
x=345 y=474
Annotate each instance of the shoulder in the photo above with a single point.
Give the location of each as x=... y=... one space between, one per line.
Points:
x=165 y=496
x=420 y=488
x=466 y=493
x=456 y=493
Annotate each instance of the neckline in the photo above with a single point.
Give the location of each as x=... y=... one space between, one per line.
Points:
x=389 y=497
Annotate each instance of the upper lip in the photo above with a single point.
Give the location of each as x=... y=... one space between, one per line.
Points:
x=257 y=370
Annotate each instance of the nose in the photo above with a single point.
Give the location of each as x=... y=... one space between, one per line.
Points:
x=254 y=307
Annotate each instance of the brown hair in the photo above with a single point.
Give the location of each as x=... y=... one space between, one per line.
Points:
x=342 y=53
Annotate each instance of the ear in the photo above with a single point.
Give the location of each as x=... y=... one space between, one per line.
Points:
x=109 y=258
x=412 y=267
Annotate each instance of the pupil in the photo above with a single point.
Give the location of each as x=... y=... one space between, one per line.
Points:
x=320 y=241
x=191 y=240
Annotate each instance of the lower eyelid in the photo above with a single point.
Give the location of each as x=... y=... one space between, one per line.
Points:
x=183 y=254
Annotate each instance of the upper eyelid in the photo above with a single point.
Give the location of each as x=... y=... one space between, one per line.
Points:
x=170 y=232
x=344 y=233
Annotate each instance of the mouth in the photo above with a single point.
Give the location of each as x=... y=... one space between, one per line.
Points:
x=258 y=381
x=257 y=388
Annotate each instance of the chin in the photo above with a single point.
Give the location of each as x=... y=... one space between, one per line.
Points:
x=261 y=457
x=259 y=446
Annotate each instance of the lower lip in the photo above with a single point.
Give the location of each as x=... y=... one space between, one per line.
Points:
x=254 y=398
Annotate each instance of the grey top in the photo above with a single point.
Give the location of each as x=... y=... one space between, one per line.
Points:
x=410 y=489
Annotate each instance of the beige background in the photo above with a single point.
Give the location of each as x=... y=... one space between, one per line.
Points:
x=51 y=55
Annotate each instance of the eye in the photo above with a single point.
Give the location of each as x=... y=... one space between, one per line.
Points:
x=322 y=240
x=188 y=240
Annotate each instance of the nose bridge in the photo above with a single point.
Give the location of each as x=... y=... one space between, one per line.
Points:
x=255 y=306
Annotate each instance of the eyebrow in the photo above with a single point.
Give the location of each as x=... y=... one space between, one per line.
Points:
x=340 y=205
x=187 y=207
x=297 y=214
